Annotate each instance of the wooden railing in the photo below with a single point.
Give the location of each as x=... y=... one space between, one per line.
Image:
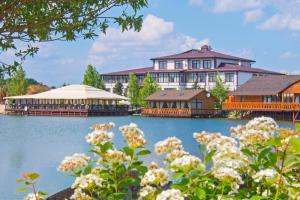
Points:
x=257 y=106
x=176 y=112
x=171 y=112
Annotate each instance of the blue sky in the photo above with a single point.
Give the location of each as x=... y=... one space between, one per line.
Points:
x=267 y=31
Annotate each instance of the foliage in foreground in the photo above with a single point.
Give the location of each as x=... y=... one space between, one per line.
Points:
x=258 y=161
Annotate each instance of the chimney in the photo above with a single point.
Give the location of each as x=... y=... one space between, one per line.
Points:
x=206 y=48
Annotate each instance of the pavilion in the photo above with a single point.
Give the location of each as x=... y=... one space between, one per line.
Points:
x=71 y=100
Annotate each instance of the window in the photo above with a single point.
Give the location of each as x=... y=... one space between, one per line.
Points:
x=242 y=99
x=297 y=98
x=196 y=104
x=163 y=64
x=267 y=99
x=178 y=64
x=207 y=64
x=196 y=64
x=212 y=77
x=229 y=77
x=202 y=77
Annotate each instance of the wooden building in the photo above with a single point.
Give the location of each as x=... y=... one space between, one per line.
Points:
x=72 y=100
x=180 y=103
x=277 y=96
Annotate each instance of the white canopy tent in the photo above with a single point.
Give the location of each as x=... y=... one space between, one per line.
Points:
x=82 y=92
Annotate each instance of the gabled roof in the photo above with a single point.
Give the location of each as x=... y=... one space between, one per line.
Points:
x=241 y=68
x=174 y=95
x=204 y=52
x=73 y=92
x=137 y=71
x=266 y=85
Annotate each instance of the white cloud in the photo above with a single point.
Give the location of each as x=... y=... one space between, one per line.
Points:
x=196 y=2
x=157 y=37
x=253 y=15
x=288 y=55
x=235 y=5
x=282 y=21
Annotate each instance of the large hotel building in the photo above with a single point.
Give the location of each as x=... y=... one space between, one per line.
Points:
x=181 y=71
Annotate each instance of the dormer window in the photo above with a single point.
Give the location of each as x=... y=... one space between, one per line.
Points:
x=196 y=64
x=178 y=64
x=163 y=64
x=207 y=64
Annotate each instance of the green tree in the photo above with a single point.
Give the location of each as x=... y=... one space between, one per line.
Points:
x=220 y=92
x=33 y=21
x=93 y=78
x=149 y=87
x=18 y=84
x=118 y=89
x=133 y=90
x=195 y=85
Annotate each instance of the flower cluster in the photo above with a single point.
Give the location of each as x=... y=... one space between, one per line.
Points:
x=268 y=175
x=103 y=127
x=168 y=145
x=206 y=137
x=171 y=194
x=85 y=181
x=170 y=157
x=147 y=192
x=116 y=156
x=228 y=175
x=32 y=196
x=99 y=137
x=257 y=131
x=187 y=163
x=71 y=163
x=80 y=195
x=155 y=177
x=133 y=135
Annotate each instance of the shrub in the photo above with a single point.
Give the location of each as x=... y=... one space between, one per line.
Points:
x=258 y=160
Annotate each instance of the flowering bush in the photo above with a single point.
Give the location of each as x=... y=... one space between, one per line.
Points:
x=258 y=160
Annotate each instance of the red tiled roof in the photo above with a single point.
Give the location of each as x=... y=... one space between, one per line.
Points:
x=174 y=95
x=205 y=52
x=266 y=85
x=222 y=68
x=137 y=71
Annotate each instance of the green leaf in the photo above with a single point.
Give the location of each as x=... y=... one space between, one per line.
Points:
x=201 y=194
x=87 y=170
x=129 y=151
x=20 y=180
x=33 y=176
x=295 y=144
x=258 y=198
x=247 y=152
x=107 y=146
x=140 y=168
x=208 y=157
x=21 y=190
x=177 y=175
x=297 y=127
x=263 y=153
x=42 y=193
x=143 y=152
x=184 y=181
x=274 y=142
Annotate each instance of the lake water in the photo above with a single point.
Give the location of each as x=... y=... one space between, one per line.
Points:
x=38 y=144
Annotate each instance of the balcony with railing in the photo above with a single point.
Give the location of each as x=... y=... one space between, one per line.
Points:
x=177 y=112
x=260 y=106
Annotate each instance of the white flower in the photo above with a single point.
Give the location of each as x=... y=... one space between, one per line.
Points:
x=171 y=194
x=228 y=175
x=115 y=156
x=32 y=196
x=257 y=131
x=268 y=174
x=230 y=158
x=221 y=142
x=80 y=195
x=147 y=192
x=153 y=165
x=133 y=135
x=187 y=163
x=98 y=137
x=168 y=145
x=206 y=137
x=155 y=177
x=175 y=154
x=71 y=163
x=85 y=181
